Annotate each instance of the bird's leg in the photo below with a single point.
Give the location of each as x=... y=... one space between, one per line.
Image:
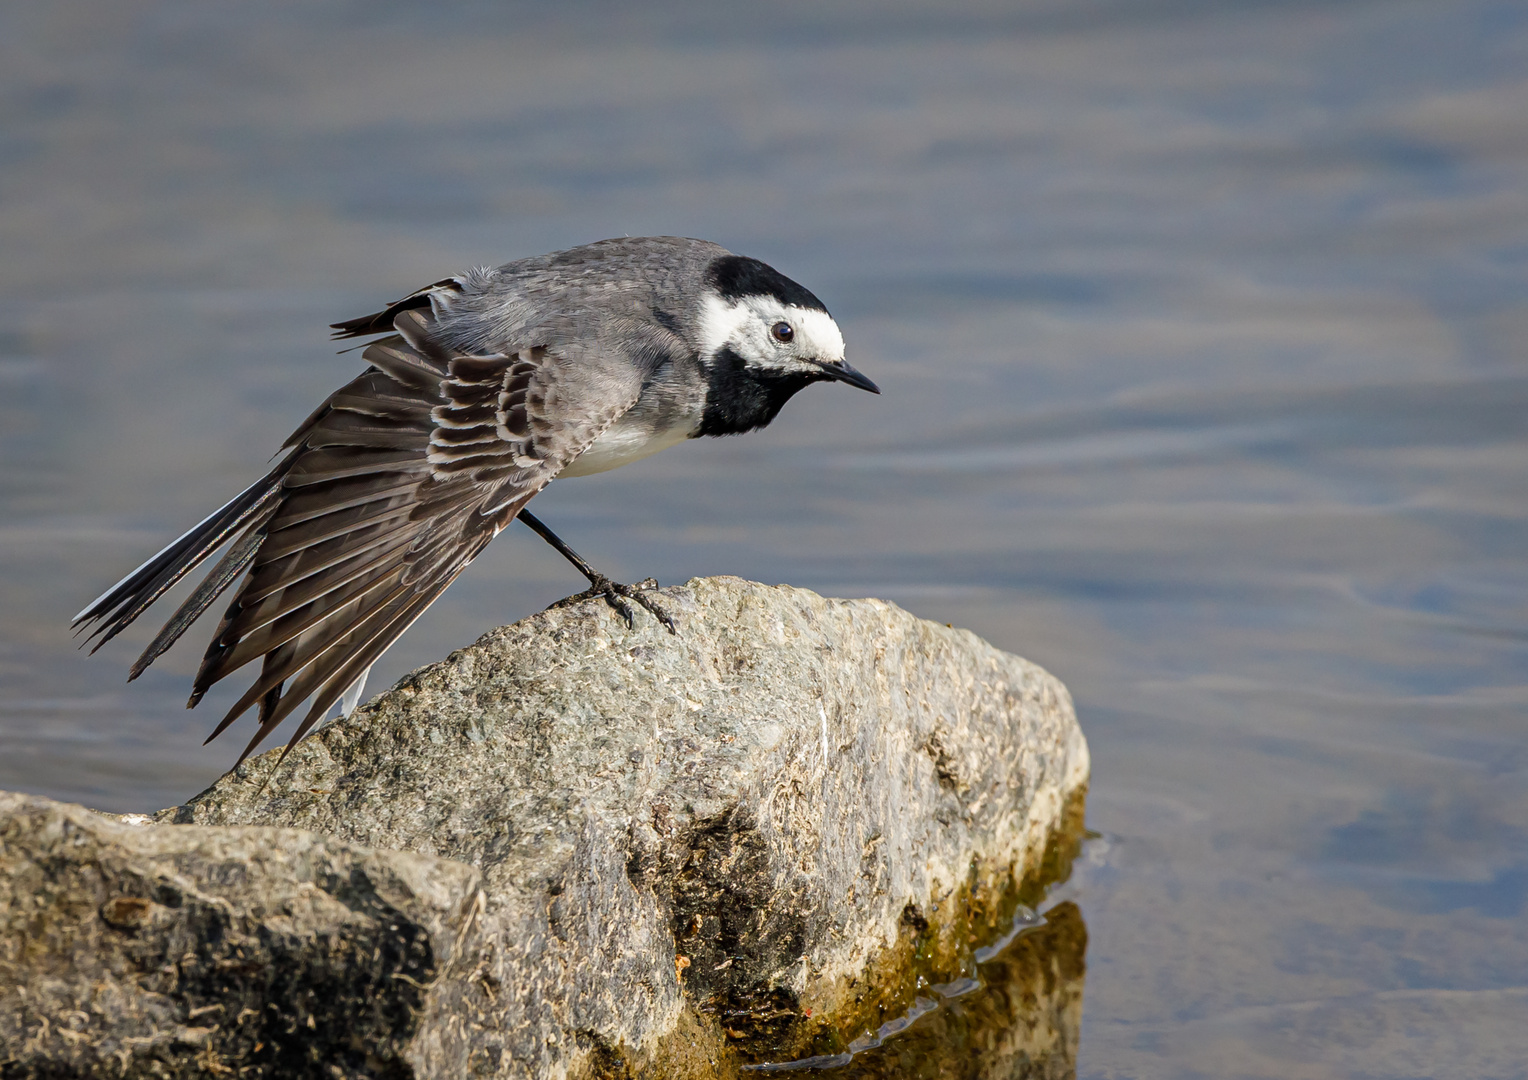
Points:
x=613 y=592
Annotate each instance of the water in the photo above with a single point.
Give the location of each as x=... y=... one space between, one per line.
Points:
x=1201 y=330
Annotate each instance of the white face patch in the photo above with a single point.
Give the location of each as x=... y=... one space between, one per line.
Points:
x=746 y=324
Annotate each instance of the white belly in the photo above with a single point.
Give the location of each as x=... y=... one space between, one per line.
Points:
x=623 y=444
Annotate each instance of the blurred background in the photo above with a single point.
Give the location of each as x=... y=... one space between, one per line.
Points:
x=1201 y=328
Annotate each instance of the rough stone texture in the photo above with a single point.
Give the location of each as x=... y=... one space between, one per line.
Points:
x=734 y=844
x=201 y=952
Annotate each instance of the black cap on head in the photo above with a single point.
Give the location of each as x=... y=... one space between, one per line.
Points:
x=737 y=276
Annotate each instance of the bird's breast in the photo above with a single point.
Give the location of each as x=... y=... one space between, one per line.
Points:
x=636 y=435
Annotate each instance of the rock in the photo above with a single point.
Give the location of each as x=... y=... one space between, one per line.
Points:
x=730 y=842
x=748 y=842
x=173 y=952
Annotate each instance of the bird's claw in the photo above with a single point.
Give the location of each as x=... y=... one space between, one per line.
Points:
x=615 y=594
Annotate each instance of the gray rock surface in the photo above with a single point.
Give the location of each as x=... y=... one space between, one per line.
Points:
x=167 y=952
x=685 y=836
x=742 y=843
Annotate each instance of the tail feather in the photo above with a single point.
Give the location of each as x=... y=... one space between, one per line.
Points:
x=227 y=570
x=117 y=608
x=352 y=696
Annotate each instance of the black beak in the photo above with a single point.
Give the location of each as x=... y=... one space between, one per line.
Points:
x=842 y=372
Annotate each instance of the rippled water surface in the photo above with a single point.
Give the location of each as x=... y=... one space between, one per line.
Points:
x=1201 y=329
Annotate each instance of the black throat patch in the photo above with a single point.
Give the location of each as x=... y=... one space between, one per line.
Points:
x=740 y=399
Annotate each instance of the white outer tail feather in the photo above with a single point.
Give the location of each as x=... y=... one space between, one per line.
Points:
x=352 y=696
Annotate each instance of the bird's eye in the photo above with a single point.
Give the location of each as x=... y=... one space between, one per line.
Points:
x=782 y=332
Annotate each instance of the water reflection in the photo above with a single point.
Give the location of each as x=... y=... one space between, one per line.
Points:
x=1021 y=1022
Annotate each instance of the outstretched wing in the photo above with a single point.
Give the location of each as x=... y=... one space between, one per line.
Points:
x=390 y=489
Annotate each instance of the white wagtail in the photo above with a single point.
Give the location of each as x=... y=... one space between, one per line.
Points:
x=487 y=387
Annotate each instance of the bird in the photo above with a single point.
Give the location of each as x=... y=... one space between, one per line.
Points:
x=483 y=388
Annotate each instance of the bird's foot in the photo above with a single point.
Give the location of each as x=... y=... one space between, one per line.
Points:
x=616 y=595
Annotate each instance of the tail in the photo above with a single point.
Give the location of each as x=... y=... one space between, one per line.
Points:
x=114 y=610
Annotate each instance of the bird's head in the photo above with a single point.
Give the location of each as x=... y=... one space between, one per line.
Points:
x=756 y=317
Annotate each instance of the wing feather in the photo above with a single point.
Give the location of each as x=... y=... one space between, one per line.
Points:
x=311 y=590
x=390 y=488
x=299 y=615
x=363 y=644
x=301 y=536
x=305 y=505
x=360 y=659
x=338 y=462
x=376 y=541
x=302 y=651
